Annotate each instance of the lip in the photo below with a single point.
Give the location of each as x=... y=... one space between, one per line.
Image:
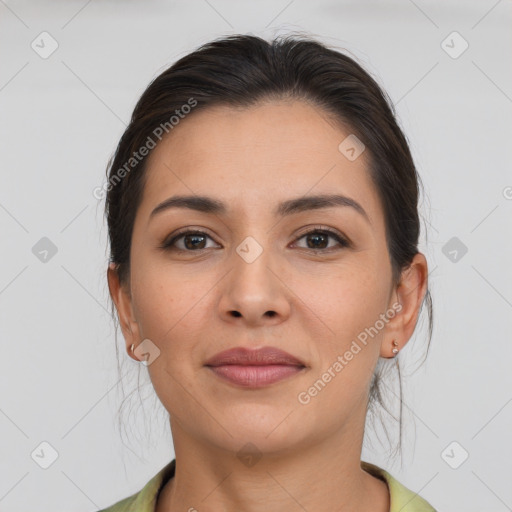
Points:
x=254 y=368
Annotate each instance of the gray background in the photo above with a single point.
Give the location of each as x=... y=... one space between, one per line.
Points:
x=62 y=116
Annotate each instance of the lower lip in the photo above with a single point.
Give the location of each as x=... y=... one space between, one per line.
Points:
x=255 y=376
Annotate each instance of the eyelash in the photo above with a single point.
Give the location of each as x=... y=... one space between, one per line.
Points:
x=342 y=241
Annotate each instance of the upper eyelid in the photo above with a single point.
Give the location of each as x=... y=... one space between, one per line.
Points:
x=307 y=229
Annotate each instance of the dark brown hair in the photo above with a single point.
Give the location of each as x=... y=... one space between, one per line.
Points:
x=242 y=70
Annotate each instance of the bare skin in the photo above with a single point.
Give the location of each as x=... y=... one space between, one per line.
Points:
x=202 y=298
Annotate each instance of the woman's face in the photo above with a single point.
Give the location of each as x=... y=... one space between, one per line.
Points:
x=253 y=279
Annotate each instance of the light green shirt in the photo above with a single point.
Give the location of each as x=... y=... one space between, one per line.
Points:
x=402 y=499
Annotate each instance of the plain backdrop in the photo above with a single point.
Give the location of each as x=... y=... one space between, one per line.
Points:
x=446 y=66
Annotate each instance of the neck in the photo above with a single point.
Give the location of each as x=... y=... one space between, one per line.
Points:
x=325 y=476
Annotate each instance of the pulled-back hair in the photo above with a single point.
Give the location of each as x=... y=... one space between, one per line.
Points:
x=242 y=70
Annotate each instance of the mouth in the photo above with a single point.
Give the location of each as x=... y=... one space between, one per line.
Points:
x=254 y=368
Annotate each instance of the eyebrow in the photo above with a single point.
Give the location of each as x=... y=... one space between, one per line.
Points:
x=210 y=205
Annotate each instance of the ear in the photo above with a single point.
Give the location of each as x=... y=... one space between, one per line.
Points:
x=121 y=296
x=407 y=298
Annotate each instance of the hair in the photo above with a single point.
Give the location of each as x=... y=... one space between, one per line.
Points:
x=243 y=70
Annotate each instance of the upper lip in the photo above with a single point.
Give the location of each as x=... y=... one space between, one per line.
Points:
x=253 y=357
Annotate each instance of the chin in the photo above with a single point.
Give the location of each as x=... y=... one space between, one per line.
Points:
x=267 y=431
x=256 y=444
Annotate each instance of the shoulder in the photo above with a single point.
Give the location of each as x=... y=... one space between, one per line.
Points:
x=145 y=499
x=402 y=499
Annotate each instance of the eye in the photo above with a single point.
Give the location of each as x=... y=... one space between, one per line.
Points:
x=317 y=239
x=193 y=241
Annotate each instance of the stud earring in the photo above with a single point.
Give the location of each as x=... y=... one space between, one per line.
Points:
x=395 y=350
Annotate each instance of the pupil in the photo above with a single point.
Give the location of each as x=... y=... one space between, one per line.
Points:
x=193 y=237
x=316 y=237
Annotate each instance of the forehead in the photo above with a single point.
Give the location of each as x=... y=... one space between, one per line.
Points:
x=257 y=156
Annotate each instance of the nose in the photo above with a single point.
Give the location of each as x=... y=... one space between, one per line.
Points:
x=254 y=292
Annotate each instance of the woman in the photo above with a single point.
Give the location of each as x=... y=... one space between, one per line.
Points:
x=263 y=222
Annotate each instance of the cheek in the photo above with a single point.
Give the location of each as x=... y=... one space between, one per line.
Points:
x=344 y=300
x=345 y=329
x=171 y=311
x=341 y=313
x=172 y=308
x=154 y=300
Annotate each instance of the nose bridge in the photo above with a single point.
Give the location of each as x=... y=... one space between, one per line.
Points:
x=251 y=261
x=254 y=291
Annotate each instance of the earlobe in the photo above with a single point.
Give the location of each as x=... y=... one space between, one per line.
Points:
x=410 y=293
x=122 y=300
x=390 y=351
